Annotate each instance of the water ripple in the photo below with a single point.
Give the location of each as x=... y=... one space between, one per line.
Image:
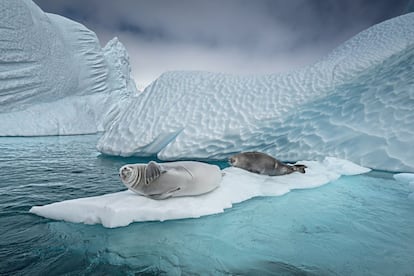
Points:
x=359 y=225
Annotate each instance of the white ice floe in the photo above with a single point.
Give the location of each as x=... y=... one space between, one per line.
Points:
x=356 y=104
x=123 y=208
x=406 y=178
x=55 y=79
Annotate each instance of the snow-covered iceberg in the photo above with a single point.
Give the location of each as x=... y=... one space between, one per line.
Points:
x=55 y=79
x=123 y=208
x=356 y=104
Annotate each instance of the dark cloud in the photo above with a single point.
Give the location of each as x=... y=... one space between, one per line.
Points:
x=238 y=35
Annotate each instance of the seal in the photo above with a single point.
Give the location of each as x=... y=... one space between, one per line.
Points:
x=171 y=179
x=261 y=163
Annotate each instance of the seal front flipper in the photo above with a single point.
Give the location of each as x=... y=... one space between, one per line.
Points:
x=164 y=195
x=152 y=172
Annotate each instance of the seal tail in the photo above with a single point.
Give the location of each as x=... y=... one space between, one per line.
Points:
x=299 y=168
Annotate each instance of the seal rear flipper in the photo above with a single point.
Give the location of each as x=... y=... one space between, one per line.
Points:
x=152 y=172
x=164 y=195
x=299 y=168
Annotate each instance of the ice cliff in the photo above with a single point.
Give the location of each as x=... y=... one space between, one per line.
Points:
x=55 y=79
x=355 y=104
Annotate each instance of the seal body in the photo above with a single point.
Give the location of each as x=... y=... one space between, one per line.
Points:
x=261 y=163
x=172 y=179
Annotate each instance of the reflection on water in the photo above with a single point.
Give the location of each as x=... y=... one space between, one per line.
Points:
x=357 y=225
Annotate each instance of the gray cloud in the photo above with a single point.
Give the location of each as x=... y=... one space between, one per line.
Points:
x=237 y=36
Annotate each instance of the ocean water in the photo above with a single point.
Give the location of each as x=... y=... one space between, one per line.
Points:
x=357 y=225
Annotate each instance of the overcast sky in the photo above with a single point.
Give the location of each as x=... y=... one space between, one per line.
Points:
x=235 y=36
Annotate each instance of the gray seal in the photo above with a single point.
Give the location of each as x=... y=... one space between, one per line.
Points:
x=172 y=179
x=261 y=163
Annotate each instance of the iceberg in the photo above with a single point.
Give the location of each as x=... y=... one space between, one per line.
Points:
x=355 y=104
x=123 y=208
x=55 y=79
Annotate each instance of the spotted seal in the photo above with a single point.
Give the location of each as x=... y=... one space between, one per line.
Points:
x=261 y=163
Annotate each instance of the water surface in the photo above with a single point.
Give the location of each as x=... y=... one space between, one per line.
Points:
x=359 y=225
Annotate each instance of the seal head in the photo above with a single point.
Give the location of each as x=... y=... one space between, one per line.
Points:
x=135 y=176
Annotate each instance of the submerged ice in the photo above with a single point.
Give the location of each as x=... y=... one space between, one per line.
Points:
x=355 y=104
x=123 y=208
x=55 y=79
x=406 y=178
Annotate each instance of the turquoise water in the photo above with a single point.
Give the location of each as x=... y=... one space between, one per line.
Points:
x=358 y=225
